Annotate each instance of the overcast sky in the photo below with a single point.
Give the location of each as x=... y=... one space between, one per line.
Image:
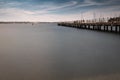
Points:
x=57 y=10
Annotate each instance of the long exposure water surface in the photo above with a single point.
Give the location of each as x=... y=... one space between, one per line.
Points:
x=50 y=52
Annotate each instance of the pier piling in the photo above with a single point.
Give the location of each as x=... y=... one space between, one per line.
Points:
x=119 y=29
x=116 y=29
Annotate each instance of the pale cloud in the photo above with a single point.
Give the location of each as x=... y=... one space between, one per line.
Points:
x=44 y=13
x=88 y=3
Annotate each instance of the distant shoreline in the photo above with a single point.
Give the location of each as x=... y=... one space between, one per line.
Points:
x=23 y=22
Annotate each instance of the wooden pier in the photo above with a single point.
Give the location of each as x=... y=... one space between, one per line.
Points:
x=109 y=26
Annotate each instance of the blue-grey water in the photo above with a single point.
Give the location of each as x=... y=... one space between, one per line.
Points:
x=50 y=52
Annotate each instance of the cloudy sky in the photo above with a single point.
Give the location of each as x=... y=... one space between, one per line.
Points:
x=57 y=10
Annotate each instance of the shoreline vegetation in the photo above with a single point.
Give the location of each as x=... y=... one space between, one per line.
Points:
x=114 y=20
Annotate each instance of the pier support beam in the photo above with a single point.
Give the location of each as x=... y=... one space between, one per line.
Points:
x=76 y=25
x=119 y=29
x=111 y=28
x=85 y=26
x=99 y=28
x=80 y=26
x=116 y=29
x=104 y=28
x=88 y=26
x=93 y=27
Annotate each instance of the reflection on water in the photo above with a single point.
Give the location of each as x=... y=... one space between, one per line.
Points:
x=50 y=52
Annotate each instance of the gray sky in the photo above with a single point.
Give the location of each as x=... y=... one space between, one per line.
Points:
x=57 y=10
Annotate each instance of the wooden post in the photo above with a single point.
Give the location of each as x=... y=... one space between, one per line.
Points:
x=79 y=25
x=107 y=28
x=85 y=26
x=74 y=25
x=119 y=29
x=115 y=28
x=93 y=27
x=104 y=27
x=99 y=27
x=88 y=26
x=111 y=28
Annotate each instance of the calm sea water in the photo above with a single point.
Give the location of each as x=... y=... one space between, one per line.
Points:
x=51 y=52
